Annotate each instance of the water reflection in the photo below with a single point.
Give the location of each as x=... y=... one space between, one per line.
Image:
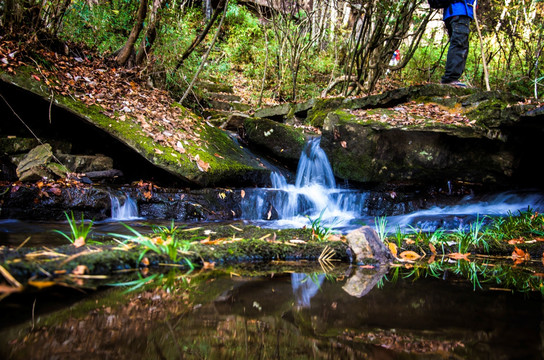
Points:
x=218 y=315
x=305 y=286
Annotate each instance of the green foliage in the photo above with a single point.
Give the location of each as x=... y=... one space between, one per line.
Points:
x=167 y=242
x=104 y=26
x=319 y=231
x=381 y=224
x=78 y=232
x=525 y=224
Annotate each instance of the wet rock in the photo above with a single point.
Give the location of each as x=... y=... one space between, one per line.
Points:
x=372 y=152
x=276 y=140
x=271 y=213
x=367 y=246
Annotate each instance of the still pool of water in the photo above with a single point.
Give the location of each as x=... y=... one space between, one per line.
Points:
x=348 y=313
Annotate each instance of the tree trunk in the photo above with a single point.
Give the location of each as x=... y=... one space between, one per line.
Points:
x=201 y=36
x=151 y=32
x=128 y=49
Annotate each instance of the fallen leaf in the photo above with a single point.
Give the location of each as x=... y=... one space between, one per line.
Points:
x=80 y=270
x=393 y=248
x=208 y=265
x=41 y=284
x=56 y=191
x=516 y=241
x=433 y=249
x=409 y=255
x=459 y=256
x=145 y=262
x=202 y=165
x=519 y=256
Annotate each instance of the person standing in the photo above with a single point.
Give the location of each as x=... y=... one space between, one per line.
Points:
x=457 y=17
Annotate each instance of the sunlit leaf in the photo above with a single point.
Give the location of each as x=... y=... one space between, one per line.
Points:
x=433 y=248
x=80 y=270
x=459 y=256
x=409 y=255
x=393 y=248
x=41 y=284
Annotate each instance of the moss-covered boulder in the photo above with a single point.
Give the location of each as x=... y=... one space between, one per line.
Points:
x=369 y=151
x=277 y=113
x=277 y=140
x=203 y=155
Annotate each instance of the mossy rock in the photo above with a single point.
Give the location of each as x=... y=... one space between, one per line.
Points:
x=277 y=140
x=212 y=159
x=373 y=152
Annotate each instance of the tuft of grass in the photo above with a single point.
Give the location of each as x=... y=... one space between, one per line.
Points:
x=381 y=224
x=319 y=231
x=164 y=243
x=79 y=232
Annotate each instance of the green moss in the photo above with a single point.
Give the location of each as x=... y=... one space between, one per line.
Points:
x=488 y=113
x=317 y=115
x=226 y=160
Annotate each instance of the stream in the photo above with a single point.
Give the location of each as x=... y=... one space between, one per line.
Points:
x=444 y=310
x=343 y=314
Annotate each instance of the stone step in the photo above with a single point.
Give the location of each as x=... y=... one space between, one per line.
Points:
x=228 y=106
x=223 y=97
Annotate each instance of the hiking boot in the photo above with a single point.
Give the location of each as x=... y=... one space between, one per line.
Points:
x=456 y=84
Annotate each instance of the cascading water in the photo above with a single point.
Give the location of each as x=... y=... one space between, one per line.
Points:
x=126 y=211
x=314 y=195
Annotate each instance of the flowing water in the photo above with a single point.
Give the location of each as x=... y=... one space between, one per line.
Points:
x=315 y=196
x=443 y=310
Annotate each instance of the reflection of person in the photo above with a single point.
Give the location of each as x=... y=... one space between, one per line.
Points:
x=457 y=18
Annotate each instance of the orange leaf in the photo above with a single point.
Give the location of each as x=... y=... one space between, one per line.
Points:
x=202 y=165
x=41 y=284
x=208 y=265
x=516 y=241
x=393 y=248
x=409 y=255
x=36 y=77
x=520 y=256
x=145 y=261
x=433 y=249
x=459 y=256
x=80 y=270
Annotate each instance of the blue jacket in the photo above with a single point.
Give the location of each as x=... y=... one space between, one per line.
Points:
x=460 y=8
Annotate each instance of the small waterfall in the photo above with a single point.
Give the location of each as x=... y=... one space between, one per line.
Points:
x=314 y=192
x=127 y=211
